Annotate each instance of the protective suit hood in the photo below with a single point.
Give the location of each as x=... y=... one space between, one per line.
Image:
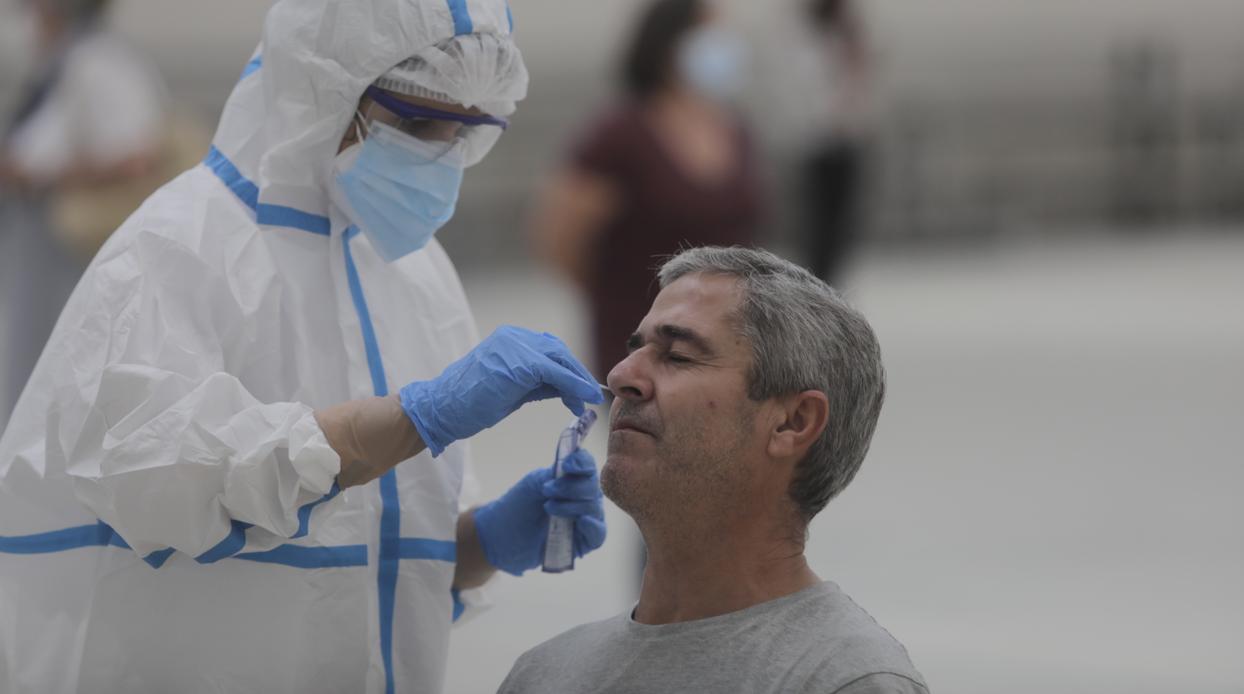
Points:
x=283 y=123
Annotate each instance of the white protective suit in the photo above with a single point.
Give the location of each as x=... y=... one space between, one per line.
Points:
x=168 y=515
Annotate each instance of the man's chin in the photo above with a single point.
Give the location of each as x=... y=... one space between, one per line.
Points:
x=627 y=454
x=618 y=480
x=624 y=441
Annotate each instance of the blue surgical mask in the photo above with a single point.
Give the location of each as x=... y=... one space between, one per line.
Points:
x=399 y=190
x=712 y=61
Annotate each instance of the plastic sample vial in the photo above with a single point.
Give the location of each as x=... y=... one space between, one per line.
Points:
x=559 y=547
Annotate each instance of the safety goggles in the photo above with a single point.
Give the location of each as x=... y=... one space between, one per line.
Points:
x=433 y=126
x=417 y=115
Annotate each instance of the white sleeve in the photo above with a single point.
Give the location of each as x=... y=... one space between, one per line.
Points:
x=162 y=442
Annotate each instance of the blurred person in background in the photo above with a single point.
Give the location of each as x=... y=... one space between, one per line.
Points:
x=820 y=97
x=241 y=464
x=89 y=121
x=747 y=402
x=670 y=165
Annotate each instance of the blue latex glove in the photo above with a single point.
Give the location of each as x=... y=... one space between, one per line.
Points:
x=510 y=368
x=514 y=528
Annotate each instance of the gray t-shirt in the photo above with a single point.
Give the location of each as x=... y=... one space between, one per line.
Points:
x=815 y=640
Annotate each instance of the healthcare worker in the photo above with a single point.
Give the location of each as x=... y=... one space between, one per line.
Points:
x=240 y=465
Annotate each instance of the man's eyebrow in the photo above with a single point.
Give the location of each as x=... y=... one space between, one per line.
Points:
x=678 y=333
x=673 y=333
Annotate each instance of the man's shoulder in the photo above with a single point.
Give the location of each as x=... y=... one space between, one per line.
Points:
x=879 y=683
x=177 y=213
x=817 y=640
x=547 y=661
x=584 y=636
x=848 y=643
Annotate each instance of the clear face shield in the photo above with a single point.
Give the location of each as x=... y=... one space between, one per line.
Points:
x=439 y=130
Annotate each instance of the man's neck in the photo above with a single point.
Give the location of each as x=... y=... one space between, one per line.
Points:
x=695 y=575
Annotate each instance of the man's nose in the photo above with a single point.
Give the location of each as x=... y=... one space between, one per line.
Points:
x=629 y=378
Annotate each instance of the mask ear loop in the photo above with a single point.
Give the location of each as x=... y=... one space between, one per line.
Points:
x=361 y=131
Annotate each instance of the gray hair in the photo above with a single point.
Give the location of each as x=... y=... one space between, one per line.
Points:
x=803 y=336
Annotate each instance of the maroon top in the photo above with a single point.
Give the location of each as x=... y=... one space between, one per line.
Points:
x=661 y=211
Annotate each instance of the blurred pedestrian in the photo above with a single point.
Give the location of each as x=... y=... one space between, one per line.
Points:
x=819 y=76
x=669 y=165
x=90 y=118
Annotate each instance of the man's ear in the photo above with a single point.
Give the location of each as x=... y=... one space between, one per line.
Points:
x=801 y=419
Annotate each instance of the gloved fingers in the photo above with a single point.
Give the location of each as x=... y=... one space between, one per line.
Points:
x=545 y=392
x=512 y=333
x=536 y=480
x=574 y=509
x=589 y=532
x=554 y=343
x=575 y=405
x=539 y=342
x=541 y=392
x=565 y=358
x=579 y=463
x=569 y=384
x=553 y=337
x=558 y=351
x=576 y=488
x=550 y=362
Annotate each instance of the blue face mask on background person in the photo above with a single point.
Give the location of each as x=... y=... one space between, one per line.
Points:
x=712 y=61
x=399 y=190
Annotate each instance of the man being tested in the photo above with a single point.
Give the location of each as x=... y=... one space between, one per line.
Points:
x=269 y=329
x=747 y=402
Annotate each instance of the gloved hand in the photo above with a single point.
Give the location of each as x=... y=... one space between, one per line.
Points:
x=514 y=529
x=510 y=368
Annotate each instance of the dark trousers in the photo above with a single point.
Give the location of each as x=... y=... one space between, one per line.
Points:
x=830 y=192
